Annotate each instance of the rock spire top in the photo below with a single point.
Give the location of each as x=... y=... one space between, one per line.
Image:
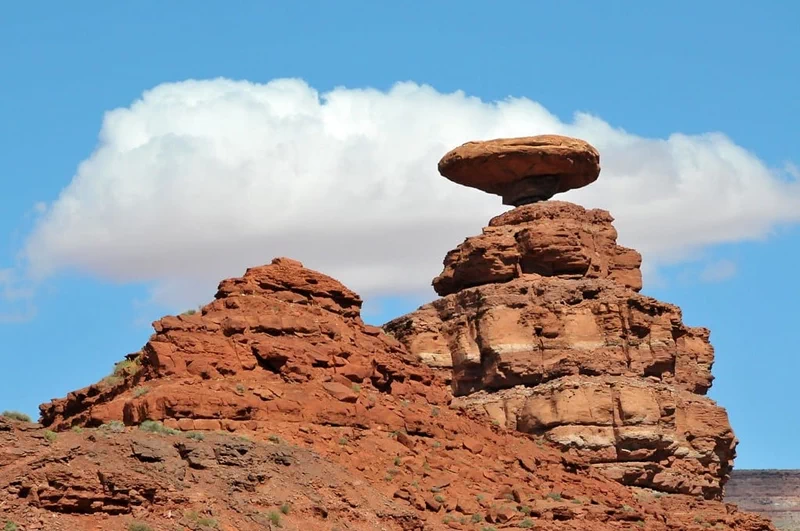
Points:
x=523 y=170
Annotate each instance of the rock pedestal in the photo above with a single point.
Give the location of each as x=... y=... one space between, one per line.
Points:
x=523 y=170
x=543 y=327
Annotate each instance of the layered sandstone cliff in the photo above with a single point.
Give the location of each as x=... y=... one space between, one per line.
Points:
x=275 y=406
x=278 y=404
x=545 y=331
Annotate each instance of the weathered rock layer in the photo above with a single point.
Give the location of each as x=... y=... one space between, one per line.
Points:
x=282 y=356
x=543 y=327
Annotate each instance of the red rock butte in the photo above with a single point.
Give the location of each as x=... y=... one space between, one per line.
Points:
x=542 y=329
x=542 y=390
x=523 y=170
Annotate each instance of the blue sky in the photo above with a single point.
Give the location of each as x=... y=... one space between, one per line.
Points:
x=72 y=303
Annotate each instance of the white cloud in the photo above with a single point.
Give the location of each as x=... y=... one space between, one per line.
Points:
x=199 y=179
x=718 y=271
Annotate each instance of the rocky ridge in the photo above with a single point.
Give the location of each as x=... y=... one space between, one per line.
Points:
x=275 y=406
x=545 y=331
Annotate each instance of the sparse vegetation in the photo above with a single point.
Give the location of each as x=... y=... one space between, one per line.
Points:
x=627 y=508
x=356 y=388
x=139 y=526
x=527 y=523
x=113 y=426
x=201 y=520
x=189 y=312
x=525 y=510
x=16 y=415
x=477 y=518
x=274 y=439
x=10 y=526
x=275 y=518
x=435 y=411
x=439 y=498
x=140 y=391
x=76 y=429
x=285 y=508
x=208 y=522
x=195 y=435
x=153 y=426
x=488 y=528
x=50 y=436
x=343 y=441
x=126 y=367
x=397 y=461
x=554 y=496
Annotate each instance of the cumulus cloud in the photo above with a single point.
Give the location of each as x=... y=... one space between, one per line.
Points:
x=199 y=179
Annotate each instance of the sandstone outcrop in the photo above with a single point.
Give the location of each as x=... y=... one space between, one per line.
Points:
x=552 y=238
x=276 y=399
x=545 y=331
x=276 y=407
x=276 y=403
x=523 y=170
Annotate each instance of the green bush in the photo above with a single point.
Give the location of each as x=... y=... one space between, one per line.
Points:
x=50 y=436
x=153 y=426
x=139 y=526
x=10 y=526
x=275 y=518
x=140 y=391
x=196 y=435
x=16 y=415
x=285 y=508
x=113 y=426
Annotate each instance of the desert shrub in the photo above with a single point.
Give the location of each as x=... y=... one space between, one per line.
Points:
x=10 y=526
x=113 y=426
x=153 y=426
x=16 y=415
x=285 y=508
x=139 y=526
x=275 y=518
x=122 y=369
x=50 y=436
x=196 y=435
x=140 y=391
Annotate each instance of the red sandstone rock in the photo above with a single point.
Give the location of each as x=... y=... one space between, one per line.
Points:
x=552 y=238
x=534 y=329
x=264 y=360
x=523 y=169
x=638 y=432
x=546 y=333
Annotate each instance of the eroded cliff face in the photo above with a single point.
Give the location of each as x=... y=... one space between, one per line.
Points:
x=277 y=395
x=545 y=332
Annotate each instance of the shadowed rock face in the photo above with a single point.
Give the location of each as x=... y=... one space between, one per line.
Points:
x=544 y=331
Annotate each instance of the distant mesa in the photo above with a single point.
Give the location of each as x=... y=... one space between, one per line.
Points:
x=523 y=170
